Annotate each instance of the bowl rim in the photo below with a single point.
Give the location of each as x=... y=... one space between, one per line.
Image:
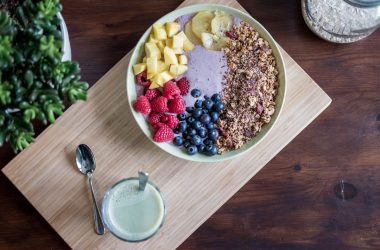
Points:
x=280 y=65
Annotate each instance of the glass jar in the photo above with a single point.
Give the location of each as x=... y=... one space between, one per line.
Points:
x=342 y=21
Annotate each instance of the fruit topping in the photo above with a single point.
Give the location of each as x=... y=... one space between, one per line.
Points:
x=160 y=104
x=171 y=90
x=152 y=93
x=176 y=105
x=196 y=93
x=142 y=105
x=142 y=79
x=163 y=133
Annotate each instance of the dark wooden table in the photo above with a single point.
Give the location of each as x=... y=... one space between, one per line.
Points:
x=295 y=202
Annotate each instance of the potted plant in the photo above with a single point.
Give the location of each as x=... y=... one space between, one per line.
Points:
x=37 y=77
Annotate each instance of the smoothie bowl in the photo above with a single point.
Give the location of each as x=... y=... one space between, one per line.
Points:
x=206 y=82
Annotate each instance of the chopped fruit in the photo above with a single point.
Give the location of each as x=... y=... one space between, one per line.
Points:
x=138 y=68
x=142 y=79
x=221 y=23
x=151 y=63
x=171 y=90
x=159 y=104
x=183 y=86
x=207 y=40
x=178 y=51
x=177 y=42
x=150 y=76
x=163 y=133
x=152 y=50
x=169 y=42
x=201 y=22
x=166 y=76
x=177 y=106
x=151 y=39
x=142 y=105
x=187 y=45
x=157 y=79
x=154 y=85
x=162 y=66
x=152 y=93
x=177 y=70
x=169 y=56
x=159 y=31
x=190 y=34
x=172 y=121
x=182 y=59
x=144 y=59
x=161 y=45
x=154 y=118
x=172 y=28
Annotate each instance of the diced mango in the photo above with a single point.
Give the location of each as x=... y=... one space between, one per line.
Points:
x=172 y=28
x=161 y=45
x=162 y=66
x=166 y=76
x=169 y=42
x=177 y=42
x=169 y=56
x=156 y=27
x=182 y=59
x=138 y=68
x=151 y=63
x=152 y=50
x=157 y=79
x=160 y=34
x=152 y=39
x=178 y=51
x=177 y=70
x=144 y=59
x=154 y=85
x=150 y=76
x=187 y=45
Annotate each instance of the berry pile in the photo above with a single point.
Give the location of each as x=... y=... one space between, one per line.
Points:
x=197 y=125
x=162 y=107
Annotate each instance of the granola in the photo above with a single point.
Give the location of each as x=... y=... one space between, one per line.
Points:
x=249 y=90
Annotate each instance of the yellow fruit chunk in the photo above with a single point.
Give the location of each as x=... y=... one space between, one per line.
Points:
x=160 y=34
x=156 y=27
x=166 y=76
x=161 y=45
x=172 y=28
x=177 y=42
x=201 y=22
x=190 y=34
x=187 y=45
x=138 y=68
x=144 y=59
x=157 y=79
x=221 y=23
x=177 y=70
x=152 y=50
x=169 y=56
x=169 y=42
x=154 y=85
x=178 y=51
x=152 y=65
x=182 y=59
x=162 y=66
x=207 y=40
x=151 y=39
x=150 y=76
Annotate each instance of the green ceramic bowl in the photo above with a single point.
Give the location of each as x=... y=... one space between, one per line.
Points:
x=137 y=56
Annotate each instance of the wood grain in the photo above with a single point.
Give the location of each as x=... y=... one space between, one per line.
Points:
x=342 y=143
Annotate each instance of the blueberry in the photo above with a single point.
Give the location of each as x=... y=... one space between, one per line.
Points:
x=207 y=142
x=205 y=118
x=216 y=98
x=191 y=150
x=198 y=104
x=214 y=116
x=206 y=97
x=182 y=126
x=201 y=147
x=187 y=143
x=196 y=93
x=210 y=126
x=196 y=140
x=213 y=134
x=190 y=119
x=218 y=106
x=176 y=131
x=197 y=112
x=207 y=104
x=181 y=116
x=211 y=150
x=189 y=109
x=202 y=132
x=205 y=111
x=197 y=125
x=191 y=132
x=178 y=141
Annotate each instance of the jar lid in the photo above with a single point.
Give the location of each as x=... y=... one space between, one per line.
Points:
x=364 y=3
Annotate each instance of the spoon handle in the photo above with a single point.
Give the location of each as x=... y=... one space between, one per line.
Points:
x=99 y=226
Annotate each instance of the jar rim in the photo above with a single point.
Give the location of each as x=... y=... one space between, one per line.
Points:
x=364 y=3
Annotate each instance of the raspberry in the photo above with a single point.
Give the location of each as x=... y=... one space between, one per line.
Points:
x=172 y=121
x=171 y=90
x=152 y=93
x=142 y=105
x=159 y=104
x=154 y=118
x=163 y=133
x=177 y=105
x=142 y=79
x=183 y=85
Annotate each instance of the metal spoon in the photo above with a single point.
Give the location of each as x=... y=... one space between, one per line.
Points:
x=143 y=179
x=86 y=164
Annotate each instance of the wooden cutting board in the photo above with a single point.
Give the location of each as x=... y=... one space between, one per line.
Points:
x=47 y=175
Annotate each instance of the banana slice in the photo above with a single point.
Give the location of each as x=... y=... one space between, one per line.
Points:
x=221 y=23
x=209 y=41
x=221 y=43
x=190 y=34
x=201 y=23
